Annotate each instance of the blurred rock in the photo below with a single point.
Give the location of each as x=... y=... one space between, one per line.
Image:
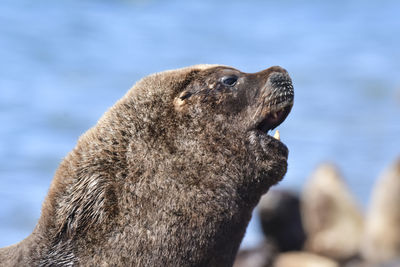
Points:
x=361 y=263
x=280 y=217
x=303 y=259
x=382 y=230
x=331 y=217
x=261 y=256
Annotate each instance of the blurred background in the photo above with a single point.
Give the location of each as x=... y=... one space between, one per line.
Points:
x=63 y=63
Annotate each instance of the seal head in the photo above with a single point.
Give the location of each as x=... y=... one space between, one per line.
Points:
x=243 y=106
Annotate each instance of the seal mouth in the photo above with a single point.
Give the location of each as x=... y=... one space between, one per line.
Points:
x=277 y=101
x=273 y=119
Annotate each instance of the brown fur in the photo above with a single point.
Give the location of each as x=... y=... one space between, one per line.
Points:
x=168 y=177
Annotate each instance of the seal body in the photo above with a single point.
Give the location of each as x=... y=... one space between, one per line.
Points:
x=331 y=216
x=280 y=218
x=169 y=176
x=381 y=243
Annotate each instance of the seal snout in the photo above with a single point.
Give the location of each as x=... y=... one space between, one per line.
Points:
x=280 y=88
x=277 y=98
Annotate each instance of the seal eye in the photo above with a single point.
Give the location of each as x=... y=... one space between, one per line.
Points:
x=229 y=80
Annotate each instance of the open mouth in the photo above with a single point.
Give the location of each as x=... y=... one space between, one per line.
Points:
x=274 y=119
x=277 y=103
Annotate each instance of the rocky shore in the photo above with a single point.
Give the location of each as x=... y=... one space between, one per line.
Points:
x=323 y=225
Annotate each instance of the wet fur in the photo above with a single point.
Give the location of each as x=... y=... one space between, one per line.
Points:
x=151 y=185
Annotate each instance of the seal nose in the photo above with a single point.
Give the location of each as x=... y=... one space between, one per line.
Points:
x=276 y=69
x=276 y=83
x=279 y=84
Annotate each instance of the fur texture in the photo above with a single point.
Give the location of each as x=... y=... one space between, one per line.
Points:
x=169 y=176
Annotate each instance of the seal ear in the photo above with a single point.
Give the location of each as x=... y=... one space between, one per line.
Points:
x=181 y=100
x=184 y=95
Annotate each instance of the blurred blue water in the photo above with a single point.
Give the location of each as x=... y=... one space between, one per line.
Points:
x=63 y=63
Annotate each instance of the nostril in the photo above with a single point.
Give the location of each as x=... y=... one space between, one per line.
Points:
x=277 y=69
x=272 y=70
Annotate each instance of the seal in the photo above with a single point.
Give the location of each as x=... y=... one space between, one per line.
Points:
x=381 y=242
x=331 y=216
x=280 y=218
x=169 y=176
